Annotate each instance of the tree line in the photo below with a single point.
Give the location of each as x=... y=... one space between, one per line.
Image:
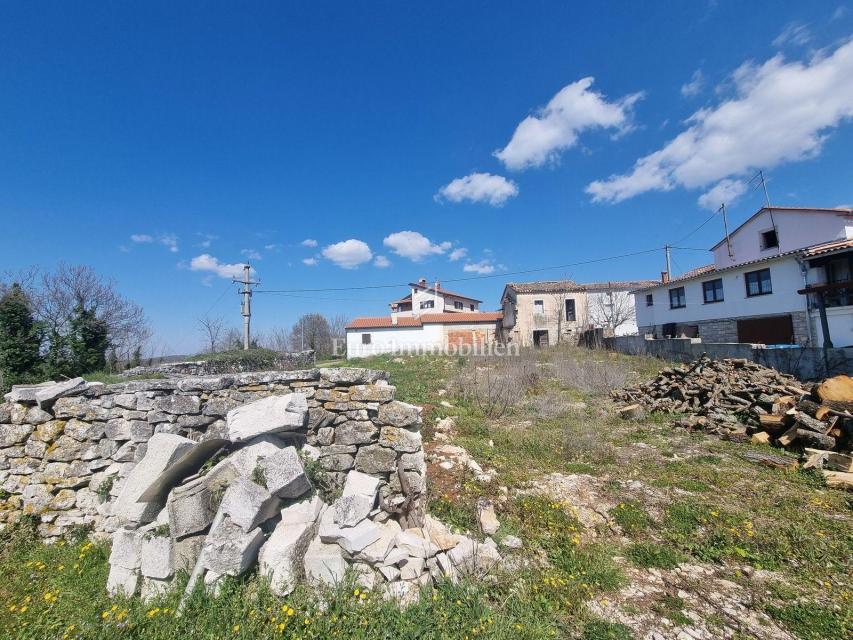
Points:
x=66 y=323
x=311 y=331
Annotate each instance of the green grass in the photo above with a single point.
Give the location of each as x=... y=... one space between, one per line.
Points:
x=654 y=554
x=631 y=517
x=602 y=630
x=811 y=621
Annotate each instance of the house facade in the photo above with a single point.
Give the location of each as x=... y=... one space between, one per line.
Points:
x=547 y=312
x=760 y=287
x=429 y=319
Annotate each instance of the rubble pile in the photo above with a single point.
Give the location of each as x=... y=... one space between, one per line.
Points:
x=257 y=505
x=743 y=401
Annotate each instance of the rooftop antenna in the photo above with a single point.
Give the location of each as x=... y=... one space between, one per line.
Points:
x=726 y=227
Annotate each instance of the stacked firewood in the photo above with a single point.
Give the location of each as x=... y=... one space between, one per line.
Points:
x=744 y=401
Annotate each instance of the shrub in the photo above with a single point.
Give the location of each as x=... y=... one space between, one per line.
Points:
x=592 y=376
x=496 y=384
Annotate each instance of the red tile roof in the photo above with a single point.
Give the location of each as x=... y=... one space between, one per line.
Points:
x=442 y=291
x=828 y=247
x=427 y=318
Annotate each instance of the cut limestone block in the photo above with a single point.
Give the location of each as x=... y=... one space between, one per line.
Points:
x=45 y=396
x=157 y=556
x=228 y=550
x=125 y=551
x=439 y=534
x=26 y=393
x=190 y=508
x=281 y=557
x=377 y=552
x=404 y=593
x=307 y=510
x=359 y=483
x=186 y=465
x=352 y=509
x=153 y=588
x=472 y=558
x=412 y=568
x=399 y=414
x=185 y=552
x=163 y=450
x=284 y=474
x=268 y=415
x=245 y=459
x=248 y=504
x=413 y=542
x=351 y=539
x=487 y=518
x=122 y=582
x=324 y=563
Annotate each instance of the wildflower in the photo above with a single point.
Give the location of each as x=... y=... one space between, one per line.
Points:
x=236 y=628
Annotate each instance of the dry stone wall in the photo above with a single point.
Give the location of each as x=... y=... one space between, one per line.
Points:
x=66 y=450
x=237 y=364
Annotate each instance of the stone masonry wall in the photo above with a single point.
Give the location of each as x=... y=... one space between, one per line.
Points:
x=66 y=449
x=281 y=362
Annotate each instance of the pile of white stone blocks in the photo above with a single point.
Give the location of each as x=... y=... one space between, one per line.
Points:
x=208 y=475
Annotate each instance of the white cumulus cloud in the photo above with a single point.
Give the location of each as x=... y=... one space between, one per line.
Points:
x=541 y=137
x=780 y=112
x=170 y=241
x=483 y=267
x=381 y=262
x=348 y=254
x=413 y=245
x=692 y=88
x=724 y=192
x=141 y=238
x=207 y=262
x=479 y=187
x=309 y=242
x=309 y=261
x=457 y=254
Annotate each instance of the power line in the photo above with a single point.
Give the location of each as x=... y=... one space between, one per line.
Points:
x=502 y=274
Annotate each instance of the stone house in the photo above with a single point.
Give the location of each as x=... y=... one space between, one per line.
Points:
x=781 y=277
x=547 y=312
x=426 y=298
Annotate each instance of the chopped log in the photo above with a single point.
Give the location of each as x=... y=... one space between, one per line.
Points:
x=838 y=480
x=807 y=422
x=787 y=438
x=773 y=422
x=832 y=460
x=770 y=460
x=762 y=437
x=816 y=440
x=838 y=388
x=815 y=460
x=808 y=406
x=822 y=412
x=632 y=412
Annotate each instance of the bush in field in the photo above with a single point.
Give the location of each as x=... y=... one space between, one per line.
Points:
x=592 y=376
x=495 y=384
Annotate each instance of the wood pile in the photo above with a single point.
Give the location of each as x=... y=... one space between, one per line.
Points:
x=743 y=401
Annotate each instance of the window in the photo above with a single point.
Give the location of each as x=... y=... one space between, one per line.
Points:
x=539 y=307
x=570 y=310
x=458 y=305
x=365 y=338
x=677 y=299
x=758 y=283
x=769 y=239
x=712 y=291
x=428 y=304
x=650 y=300
x=472 y=307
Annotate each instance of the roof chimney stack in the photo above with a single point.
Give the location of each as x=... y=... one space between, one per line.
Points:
x=664 y=277
x=422 y=282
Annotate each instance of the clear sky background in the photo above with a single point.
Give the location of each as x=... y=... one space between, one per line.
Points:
x=166 y=143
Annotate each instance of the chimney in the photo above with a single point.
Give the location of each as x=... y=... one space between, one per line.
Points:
x=394 y=319
x=664 y=277
x=422 y=282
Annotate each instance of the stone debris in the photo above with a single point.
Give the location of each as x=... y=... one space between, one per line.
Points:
x=208 y=475
x=487 y=517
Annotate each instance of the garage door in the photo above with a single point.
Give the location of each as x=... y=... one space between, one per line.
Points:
x=769 y=330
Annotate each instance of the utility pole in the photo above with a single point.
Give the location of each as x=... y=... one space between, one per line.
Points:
x=246 y=310
x=726 y=227
x=668 y=267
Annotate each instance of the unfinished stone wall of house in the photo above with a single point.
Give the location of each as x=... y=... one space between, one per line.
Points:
x=306 y=474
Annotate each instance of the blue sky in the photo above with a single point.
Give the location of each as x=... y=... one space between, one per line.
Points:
x=164 y=144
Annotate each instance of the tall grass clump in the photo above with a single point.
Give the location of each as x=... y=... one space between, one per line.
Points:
x=494 y=385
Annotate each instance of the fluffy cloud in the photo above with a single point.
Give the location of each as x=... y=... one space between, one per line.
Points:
x=540 y=138
x=349 y=253
x=483 y=267
x=206 y=262
x=413 y=245
x=141 y=238
x=457 y=254
x=381 y=262
x=479 y=187
x=309 y=261
x=692 y=88
x=725 y=191
x=170 y=241
x=251 y=254
x=780 y=112
x=309 y=242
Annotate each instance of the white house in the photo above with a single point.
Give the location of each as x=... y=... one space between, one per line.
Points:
x=546 y=312
x=428 y=319
x=767 y=284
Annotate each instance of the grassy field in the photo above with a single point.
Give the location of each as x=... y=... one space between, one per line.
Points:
x=627 y=527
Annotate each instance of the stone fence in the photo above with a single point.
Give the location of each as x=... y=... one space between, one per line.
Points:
x=280 y=362
x=805 y=363
x=67 y=448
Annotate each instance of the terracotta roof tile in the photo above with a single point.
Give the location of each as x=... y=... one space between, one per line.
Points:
x=437 y=318
x=384 y=321
x=473 y=316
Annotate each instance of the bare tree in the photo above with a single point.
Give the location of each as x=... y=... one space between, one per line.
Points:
x=232 y=339
x=557 y=313
x=311 y=331
x=278 y=339
x=211 y=329
x=610 y=309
